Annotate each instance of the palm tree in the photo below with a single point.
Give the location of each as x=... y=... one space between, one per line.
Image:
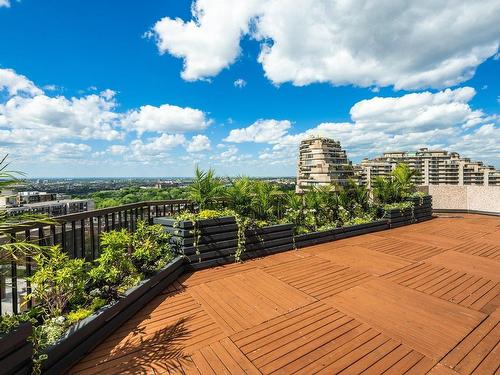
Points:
x=403 y=176
x=265 y=199
x=239 y=196
x=385 y=190
x=205 y=189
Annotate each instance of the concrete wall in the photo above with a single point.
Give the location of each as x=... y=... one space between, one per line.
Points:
x=464 y=198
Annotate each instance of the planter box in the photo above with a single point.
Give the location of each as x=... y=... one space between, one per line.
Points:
x=188 y=224
x=215 y=239
x=268 y=238
x=314 y=238
x=16 y=351
x=356 y=230
x=258 y=242
x=421 y=211
x=85 y=335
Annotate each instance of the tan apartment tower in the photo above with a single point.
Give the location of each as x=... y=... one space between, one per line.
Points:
x=435 y=167
x=322 y=162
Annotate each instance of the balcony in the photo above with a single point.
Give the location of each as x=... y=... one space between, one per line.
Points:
x=409 y=300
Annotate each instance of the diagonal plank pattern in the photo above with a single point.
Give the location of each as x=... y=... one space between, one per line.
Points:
x=415 y=300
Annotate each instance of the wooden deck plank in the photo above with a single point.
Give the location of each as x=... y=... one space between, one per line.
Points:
x=364 y=259
x=480 y=266
x=404 y=314
x=396 y=301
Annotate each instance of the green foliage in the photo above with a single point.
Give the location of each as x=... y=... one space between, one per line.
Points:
x=77 y=315
x=151 y=248
x=114 y=271
x=398 y=206
x=9 y=322
x=58 y=281
x=203 y=215
x=205 y=188
x=403 y=176
x=239 y=196
x=394 y=189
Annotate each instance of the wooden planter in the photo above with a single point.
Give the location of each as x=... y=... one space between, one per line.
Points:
x=268 y=240
x=85 y=335
x=16 y=351
x=315 y=238
x=421 y=211
x=205 y=243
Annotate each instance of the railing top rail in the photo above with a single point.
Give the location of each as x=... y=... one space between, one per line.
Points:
x=98 y=212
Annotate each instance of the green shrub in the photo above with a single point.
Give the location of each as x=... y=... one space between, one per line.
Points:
x=113 y=272
x=80 y=314
x=151 y=248
x=58 y=282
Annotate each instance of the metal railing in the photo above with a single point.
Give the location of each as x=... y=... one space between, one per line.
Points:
x=78 y=235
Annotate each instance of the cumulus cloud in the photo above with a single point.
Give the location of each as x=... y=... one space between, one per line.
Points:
x=442 y=119
x=198 y=143
x=5 y=3
x=261 y=131
x=210 y=41
x=167 y=118
x=15 y=83
x=240 y=83
x=30 y=117
x=154 y=148
x=365 y=43
x=231 y=155
x=41 y=118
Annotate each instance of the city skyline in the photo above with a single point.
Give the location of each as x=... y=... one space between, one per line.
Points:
x=152 y=90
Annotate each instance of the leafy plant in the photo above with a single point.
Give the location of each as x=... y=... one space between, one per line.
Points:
x=239 y=196
x=9 y=322
x=58 y=281
x=205 y=189
x=114 y=271
x=404 y=176
x=151 y=248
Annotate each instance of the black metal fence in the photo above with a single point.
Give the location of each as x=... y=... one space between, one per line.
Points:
x=78 y=235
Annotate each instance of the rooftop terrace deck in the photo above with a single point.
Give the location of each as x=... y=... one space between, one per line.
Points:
x=419 y=298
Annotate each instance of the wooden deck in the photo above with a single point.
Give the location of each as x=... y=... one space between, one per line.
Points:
x=414 y=300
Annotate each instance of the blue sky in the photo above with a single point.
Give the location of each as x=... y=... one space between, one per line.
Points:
x=131 y=88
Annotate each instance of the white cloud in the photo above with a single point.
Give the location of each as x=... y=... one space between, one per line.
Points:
x=198 y=143
x=34 y=123
x=261 y=131
x=15 y=83
x=231 y=155
x=443 y=119
x=117 y=149
x=43 y=119
x=365 y=43
x=166 y=118
x=240 y=83
x=5 y=3
x=154 y=148
x=209 y=42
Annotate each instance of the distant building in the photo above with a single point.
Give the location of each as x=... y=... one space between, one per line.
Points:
x=35 y=202
x=322 y=161
x=436 y=167
x=26 y=197
x=53 y=208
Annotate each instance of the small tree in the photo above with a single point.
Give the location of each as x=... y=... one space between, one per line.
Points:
x=403 y=176
x=205 y=189
x=239 y=196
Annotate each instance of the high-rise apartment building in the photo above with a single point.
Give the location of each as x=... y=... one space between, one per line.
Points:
x=436 y=167
x=322 y=161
